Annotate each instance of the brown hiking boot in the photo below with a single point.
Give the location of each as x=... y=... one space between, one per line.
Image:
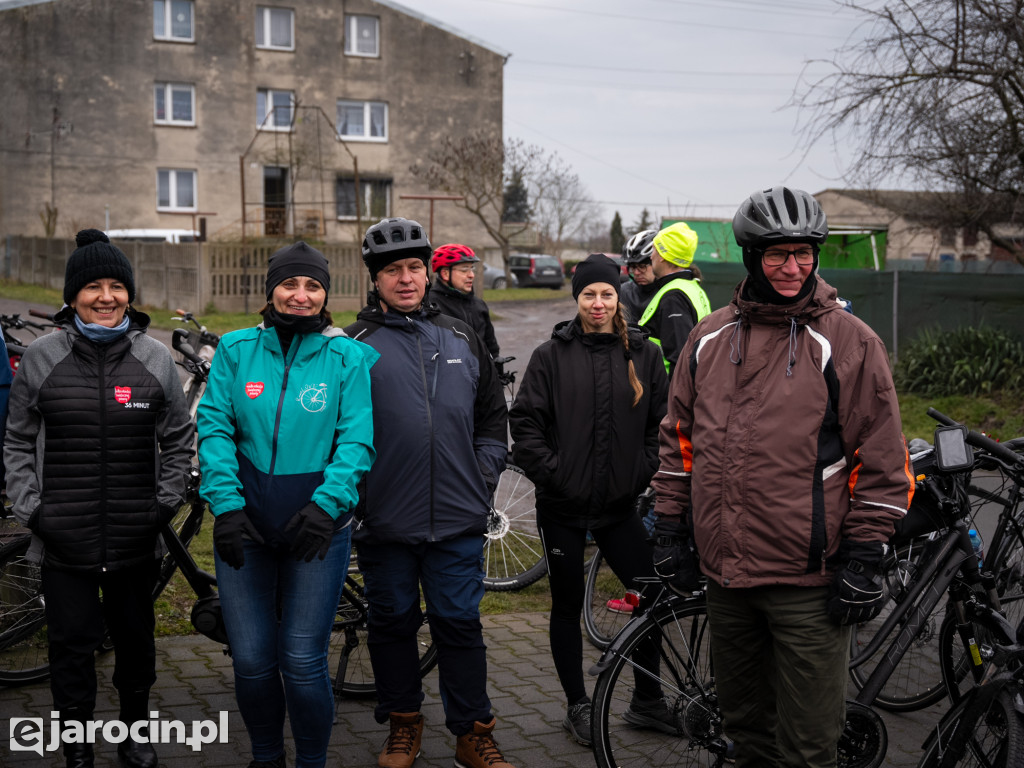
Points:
x=402 y=746
x=478 y=749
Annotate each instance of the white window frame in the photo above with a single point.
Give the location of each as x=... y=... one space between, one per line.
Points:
x=265 y=12
x=168 y=89
x=366 y=186
x=268 y=121
x=168 y=34
x=352 y=35
x=176 y=176
x=367 y=107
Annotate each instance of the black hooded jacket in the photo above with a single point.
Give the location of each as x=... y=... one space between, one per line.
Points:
x=577 y=434
x=468 y=308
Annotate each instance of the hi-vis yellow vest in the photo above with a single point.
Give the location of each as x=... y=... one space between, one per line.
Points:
x=693 y=292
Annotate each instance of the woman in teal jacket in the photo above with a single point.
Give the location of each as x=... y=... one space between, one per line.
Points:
x=285 y=435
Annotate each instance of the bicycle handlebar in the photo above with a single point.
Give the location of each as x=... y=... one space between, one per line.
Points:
x=39 y=313
x=179 y=340
x=978 y=440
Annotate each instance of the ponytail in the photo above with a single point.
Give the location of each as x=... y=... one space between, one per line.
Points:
x=619 y=323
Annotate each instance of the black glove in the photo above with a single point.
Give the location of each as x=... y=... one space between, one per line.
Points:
x=228 y=531
x=313 y=530
x=855 y=594
x=675 y=560
x=489 y=481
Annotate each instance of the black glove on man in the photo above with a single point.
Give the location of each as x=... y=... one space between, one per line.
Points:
x=313 y=530
x=675 y=561
x=855 y=594
x=228 y=531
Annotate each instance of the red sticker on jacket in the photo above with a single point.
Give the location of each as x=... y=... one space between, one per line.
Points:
x=254 y=389
x=122 y=394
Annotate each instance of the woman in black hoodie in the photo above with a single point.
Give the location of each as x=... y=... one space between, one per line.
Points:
x=585 y=426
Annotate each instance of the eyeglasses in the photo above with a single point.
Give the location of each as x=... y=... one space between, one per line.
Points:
x=463 y=268
x=776 y=257
x=641 y=265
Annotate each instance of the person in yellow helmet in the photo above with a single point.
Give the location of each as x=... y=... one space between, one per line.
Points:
x=679 y=302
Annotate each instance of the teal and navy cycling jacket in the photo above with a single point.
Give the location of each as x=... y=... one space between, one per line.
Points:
x=275 y=434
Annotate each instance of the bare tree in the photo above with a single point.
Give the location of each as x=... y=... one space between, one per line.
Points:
x=479 y=167
x=933 y=91
x=561 y=204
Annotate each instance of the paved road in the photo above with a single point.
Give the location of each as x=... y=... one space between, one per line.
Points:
x=195 y=683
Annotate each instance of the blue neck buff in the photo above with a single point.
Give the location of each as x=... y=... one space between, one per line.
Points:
x=101 y=334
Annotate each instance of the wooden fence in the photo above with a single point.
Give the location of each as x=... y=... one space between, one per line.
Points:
x=228 y=277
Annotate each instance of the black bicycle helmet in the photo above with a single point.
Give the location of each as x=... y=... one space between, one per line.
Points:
x=392 y=239
x=639 y=247
x=779 y=215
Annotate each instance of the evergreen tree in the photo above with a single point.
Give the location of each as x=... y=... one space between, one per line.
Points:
x=617 y=237
x=644 y=222
x=516 y=204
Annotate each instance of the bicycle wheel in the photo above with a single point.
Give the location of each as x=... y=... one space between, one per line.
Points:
x=23 y=640
x=996 y=735
x=916 y=682
x=655 y=703
x=348 y=654
x=186 y=524
x=513 y=555
x=604 y=610
x=953 y=658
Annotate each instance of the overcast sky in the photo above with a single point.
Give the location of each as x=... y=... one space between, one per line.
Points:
x=673 y=105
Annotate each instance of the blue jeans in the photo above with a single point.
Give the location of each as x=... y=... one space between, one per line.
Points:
x=282 y=663
x=451 y=574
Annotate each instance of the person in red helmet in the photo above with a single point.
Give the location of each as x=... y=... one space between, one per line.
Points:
x=453 y=267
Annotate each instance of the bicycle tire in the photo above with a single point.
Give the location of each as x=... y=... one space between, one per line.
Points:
x=997 y=735
x=349 y=644
x=186 y=523
x=957 y=679
x=916 y=682
x=23 y=640
x=691 y=732
x=601 y=621
x=513 y=554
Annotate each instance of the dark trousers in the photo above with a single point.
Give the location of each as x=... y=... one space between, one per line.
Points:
x=451 y=575
x=624 y=546
x=76 y=619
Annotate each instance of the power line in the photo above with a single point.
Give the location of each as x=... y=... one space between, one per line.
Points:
x=675 y=22
x=641 y=70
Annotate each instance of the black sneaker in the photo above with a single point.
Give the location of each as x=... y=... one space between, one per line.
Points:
x=651 y=713
x=277 y=762
x=577 y=722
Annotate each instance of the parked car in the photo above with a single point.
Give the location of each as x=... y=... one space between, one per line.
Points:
x=536 y=270
x=494 y=278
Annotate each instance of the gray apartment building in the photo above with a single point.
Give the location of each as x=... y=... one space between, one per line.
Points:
x=254 y=114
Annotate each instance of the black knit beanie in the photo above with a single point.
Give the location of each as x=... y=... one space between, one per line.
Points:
x=297 y=260
x=596 y=268
x=95 y=258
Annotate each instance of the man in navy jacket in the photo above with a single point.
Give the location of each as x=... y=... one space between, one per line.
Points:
x=440 y=426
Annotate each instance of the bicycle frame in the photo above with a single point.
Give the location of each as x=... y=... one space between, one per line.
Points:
x=930 y=588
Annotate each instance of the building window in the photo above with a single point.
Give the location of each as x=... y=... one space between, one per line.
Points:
x=172 y=20
x=374 y=198
x=275 y=28
x=362 y=35
x=175 y=190
x=274 y=110
x=174 y=104
x=363 y=120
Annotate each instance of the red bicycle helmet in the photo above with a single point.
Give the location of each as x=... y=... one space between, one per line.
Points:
x=451 y=254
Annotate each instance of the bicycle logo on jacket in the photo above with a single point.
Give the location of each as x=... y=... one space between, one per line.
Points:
x=313 y=399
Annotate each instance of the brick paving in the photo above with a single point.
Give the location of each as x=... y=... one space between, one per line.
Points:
x=195 y=683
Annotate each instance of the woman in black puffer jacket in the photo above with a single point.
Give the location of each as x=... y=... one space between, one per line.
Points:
x=585 y=425
x=98 y=449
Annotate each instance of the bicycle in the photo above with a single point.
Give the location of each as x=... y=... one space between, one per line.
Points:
x=678 y=629
x=918 y=680
x=203 y=344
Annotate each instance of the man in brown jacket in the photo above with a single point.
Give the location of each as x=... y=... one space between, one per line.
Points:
x=783 y=463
